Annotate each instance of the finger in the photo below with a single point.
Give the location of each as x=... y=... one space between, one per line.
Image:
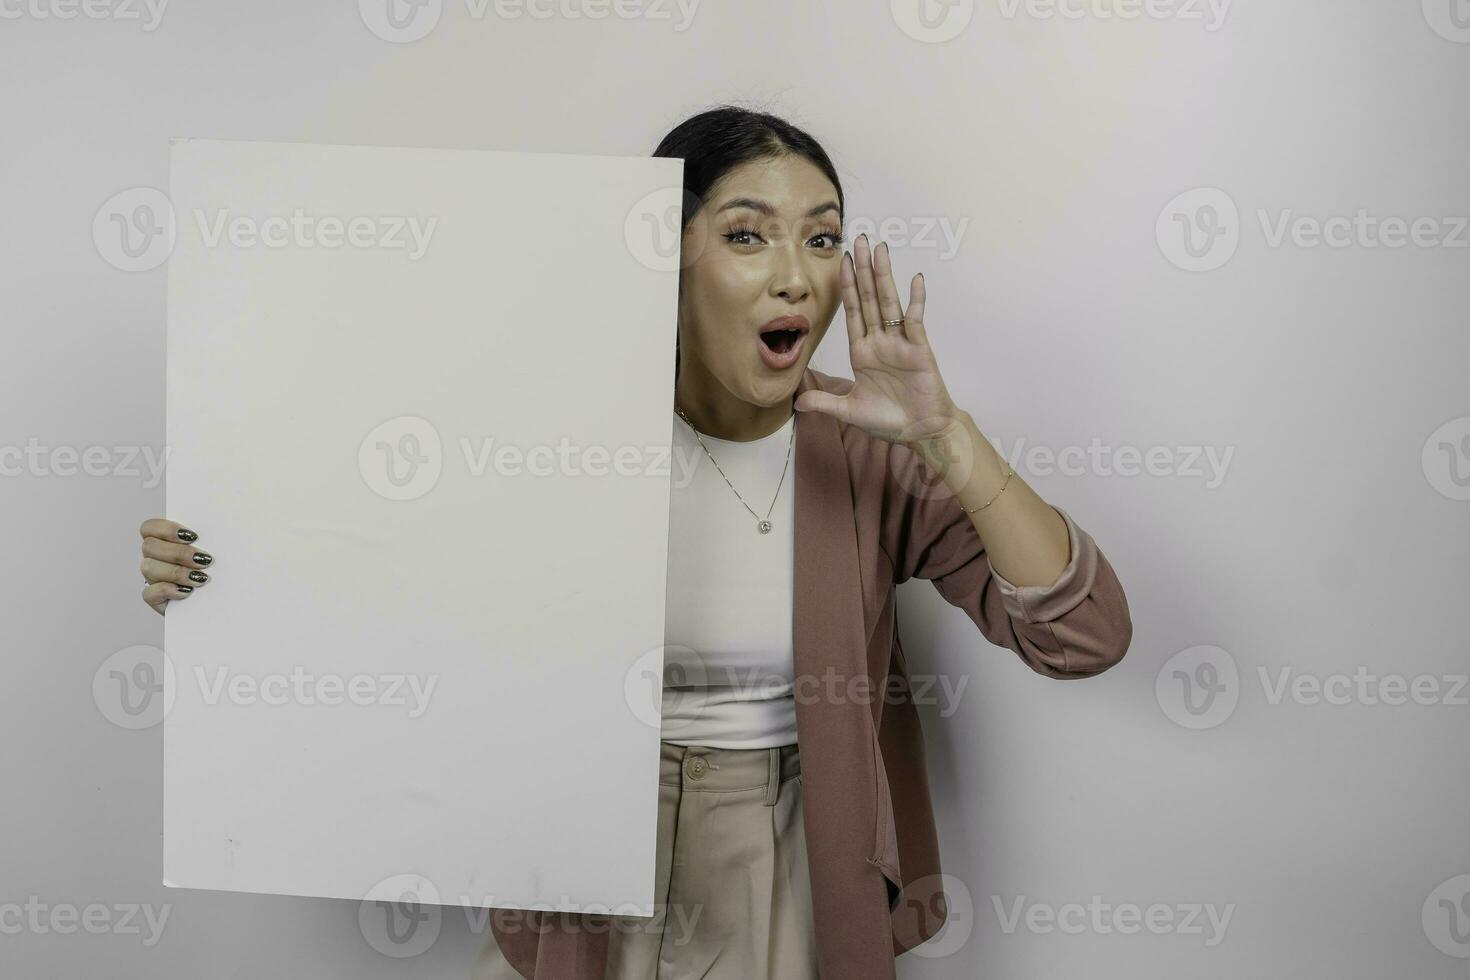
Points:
x=913 y=317
x=851 y=305
x=158 y=594
x=867 y=290
x=164 y=529
x=166 y=571
x=180 y=554
x=888 y=307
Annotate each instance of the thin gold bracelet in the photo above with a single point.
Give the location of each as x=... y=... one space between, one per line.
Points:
x=1009 y=473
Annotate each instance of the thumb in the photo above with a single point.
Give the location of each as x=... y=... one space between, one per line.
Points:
x=824 y=402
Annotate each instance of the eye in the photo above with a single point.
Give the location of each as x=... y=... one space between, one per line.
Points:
x=743 y=230
x=835 y=238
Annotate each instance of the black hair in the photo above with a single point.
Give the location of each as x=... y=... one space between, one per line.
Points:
x=717 y=140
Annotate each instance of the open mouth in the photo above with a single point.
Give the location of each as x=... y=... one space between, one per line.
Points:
x=781 y=341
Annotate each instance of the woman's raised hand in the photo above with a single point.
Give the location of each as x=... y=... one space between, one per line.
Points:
x=898 y=394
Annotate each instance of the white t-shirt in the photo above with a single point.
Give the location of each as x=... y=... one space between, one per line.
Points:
x=728 y=669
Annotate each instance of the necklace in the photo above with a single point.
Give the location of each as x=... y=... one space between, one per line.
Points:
x=763 y=524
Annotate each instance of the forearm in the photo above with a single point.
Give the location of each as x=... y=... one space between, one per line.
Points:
x=1024 y=537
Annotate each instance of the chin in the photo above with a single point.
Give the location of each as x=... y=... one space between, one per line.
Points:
x=770 y=391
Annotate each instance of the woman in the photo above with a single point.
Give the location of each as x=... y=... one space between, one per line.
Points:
x=795 y=835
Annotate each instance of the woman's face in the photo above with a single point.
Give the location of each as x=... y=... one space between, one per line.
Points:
x=765 y=244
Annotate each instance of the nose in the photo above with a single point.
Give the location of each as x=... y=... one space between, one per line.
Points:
x=791 y=279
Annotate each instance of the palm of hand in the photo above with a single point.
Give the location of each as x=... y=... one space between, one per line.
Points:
x=897 y=393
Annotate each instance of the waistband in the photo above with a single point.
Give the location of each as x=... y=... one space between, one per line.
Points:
x=706 y=769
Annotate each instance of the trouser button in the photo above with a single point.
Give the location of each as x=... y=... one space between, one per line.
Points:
x=696 y=766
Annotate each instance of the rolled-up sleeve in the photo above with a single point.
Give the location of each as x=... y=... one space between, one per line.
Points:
x=1076 y=627
x=1043 y=603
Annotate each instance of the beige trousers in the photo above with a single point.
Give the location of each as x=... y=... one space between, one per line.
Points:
x=731 y=893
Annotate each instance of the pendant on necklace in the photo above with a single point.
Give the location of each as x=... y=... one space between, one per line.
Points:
x=764 y=527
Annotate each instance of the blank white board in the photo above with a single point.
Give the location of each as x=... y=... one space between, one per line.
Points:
x=417 y=656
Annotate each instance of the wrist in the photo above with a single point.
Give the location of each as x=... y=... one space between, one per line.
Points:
x=967 y=463
x=952 y=447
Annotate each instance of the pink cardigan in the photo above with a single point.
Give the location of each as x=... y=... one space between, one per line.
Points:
x=871 y=842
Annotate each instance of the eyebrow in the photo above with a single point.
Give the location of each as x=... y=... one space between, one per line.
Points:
x=764 y=208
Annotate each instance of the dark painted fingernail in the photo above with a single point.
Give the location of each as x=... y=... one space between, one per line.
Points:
x=198 y=577
x=187 y=535
x=186 y=589
x=201 y=558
